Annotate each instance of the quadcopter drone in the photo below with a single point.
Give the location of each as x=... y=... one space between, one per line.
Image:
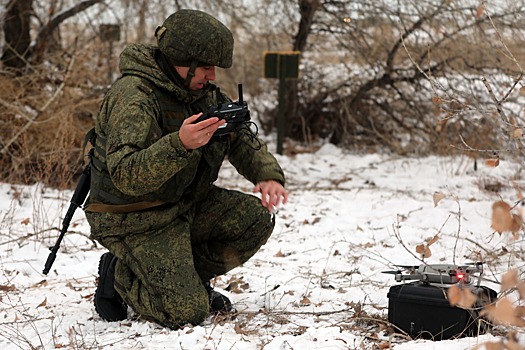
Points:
x=443 y=274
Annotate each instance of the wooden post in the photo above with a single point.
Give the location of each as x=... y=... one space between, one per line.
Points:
x=281 y=65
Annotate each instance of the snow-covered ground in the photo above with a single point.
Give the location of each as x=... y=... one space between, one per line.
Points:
x=316 y=284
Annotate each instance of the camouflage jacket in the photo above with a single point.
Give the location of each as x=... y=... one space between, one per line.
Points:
x=139 y=156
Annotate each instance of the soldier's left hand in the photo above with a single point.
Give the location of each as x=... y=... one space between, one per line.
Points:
x=196 y=135
x=273 y=193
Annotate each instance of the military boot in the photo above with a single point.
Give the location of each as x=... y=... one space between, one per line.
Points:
x=218 y=302
x=108 y=303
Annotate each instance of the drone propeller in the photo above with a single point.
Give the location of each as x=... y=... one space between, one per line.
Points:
x=408 y=267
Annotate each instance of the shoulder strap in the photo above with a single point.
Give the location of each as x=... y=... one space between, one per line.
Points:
x=90 y=137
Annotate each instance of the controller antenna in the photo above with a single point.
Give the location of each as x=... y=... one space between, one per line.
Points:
x=240 y=93
x=218 y=95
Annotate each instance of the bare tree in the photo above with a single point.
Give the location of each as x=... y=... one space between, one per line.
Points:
x=17 y=27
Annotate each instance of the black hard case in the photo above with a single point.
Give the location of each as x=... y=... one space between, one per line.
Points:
x=422 y=311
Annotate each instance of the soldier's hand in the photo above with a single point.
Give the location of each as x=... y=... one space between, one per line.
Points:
x=197 y=135
x=273 y=193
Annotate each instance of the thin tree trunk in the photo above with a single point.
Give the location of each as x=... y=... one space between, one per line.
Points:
x=16 y=30
x=307 y=9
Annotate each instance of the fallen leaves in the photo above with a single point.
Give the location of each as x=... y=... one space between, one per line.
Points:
x=237 y=285
x=492 y=162
x=7 y=288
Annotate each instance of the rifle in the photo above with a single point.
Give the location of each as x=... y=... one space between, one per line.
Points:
x=78 y=199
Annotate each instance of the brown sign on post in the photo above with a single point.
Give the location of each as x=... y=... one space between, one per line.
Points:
x=110 y=32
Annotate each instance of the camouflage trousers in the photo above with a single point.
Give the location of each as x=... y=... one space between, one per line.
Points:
x=160 y=272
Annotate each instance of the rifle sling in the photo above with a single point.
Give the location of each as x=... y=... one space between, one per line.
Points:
x=121 y=208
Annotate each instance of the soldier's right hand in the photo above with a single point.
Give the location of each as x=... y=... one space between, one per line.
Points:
x=197 y=135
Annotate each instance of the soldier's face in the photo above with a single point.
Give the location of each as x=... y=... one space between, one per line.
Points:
x=202 y=76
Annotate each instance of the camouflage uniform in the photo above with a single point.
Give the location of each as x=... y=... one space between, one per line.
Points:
x=169 y=225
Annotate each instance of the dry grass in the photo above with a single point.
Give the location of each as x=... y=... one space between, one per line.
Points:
x=44 y=117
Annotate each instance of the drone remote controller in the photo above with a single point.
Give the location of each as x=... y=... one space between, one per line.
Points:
x=235 y=113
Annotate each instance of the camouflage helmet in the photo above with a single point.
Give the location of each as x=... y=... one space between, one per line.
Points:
x=191 y=35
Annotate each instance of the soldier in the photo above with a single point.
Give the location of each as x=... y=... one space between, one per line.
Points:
x=169 y=230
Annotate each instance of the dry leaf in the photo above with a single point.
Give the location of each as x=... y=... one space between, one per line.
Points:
x=522 y=91
x=238 y=328
x=517 y=222
x=305 y=301
x=433 y=240
x=514 y=345
x=493 y=346
x=521 y=289
x=454 y=295
x=461 y=297
x=468 y=299
x=479 y=11
x=509 y=280
x=436 y=100
x=7 y=288
x=424 y=251
x=519 y=311
x=516 y=134
x=493 y=162
x=437 y=198
x=503 y=220
x=279 y=254
x=316 y=220
x=25 y=221
x=503 y=313
x=44 y=303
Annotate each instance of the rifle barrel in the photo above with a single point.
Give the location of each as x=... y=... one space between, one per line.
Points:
x=79 y=196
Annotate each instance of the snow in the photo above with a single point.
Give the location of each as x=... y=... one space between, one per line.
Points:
x=316 y=284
